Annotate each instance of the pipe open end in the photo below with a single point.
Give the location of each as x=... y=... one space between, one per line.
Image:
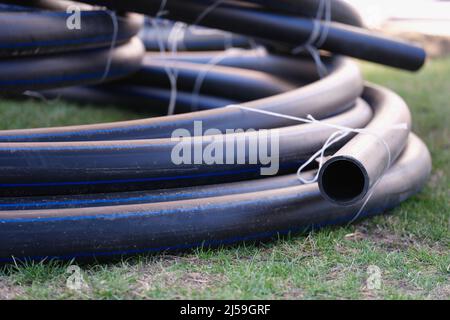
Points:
x=343 y=180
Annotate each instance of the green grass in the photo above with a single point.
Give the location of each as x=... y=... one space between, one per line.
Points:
x=410 y=245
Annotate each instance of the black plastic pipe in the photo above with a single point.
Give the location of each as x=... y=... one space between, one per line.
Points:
x=351 y=172
x=213 y=221
x=286 y=29
x=331 y=95
x=39 y=51
x=113 y=188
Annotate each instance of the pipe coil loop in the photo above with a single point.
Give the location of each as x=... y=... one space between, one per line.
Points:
x=114 y=188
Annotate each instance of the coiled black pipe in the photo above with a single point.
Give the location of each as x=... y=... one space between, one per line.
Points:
x=180 y=224
x=114 y=188
x=194 y=39
x=293 y=31
x=38 y=50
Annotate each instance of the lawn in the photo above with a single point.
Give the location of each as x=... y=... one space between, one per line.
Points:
x=410 y=245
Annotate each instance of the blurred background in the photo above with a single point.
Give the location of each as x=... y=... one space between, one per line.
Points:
x=424 y=21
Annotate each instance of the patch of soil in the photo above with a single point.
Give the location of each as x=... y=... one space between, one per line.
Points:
x=9 y=290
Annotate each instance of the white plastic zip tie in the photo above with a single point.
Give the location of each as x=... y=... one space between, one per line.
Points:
x=318 y=36
x=334 y=138
x=115 y=24
x=172 y=74
x=229 y=51
x=175 y=38
x=113 y=16
x=316 y=40
x=207 y=11
x=214 y=61
x=43 y=98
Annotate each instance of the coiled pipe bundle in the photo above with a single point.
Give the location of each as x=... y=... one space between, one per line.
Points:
x=113 y=188
x=41 y=47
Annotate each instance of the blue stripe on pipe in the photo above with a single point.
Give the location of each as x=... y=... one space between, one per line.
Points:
x=60 y=42
x=212 y=243
x=170 y=178
x=93 y=201
x=71 y=77
x=137 y=180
